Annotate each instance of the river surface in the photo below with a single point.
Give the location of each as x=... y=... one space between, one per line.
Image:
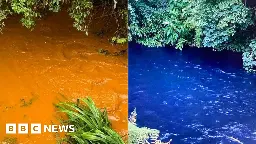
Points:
x=37 y=66
x=196 y=96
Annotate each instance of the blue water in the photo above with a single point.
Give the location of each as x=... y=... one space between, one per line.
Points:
x=196 y=96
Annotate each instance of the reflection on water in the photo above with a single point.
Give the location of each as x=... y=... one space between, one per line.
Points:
x=36 y=66
x=195 y=96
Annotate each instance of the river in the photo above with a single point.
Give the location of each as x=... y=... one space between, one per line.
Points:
x=37 y=66
x=194 y=96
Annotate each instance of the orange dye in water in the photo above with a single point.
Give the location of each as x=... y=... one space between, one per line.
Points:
x=36 y=66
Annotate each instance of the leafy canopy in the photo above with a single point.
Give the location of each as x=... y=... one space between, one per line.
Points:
x=79 y=10
x=219 y=24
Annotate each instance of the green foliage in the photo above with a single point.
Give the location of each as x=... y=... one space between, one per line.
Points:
x=92 y=125
x=118 y=40
x=142 y=135
x=54 y=5
x=79 y=11
x=4 y=12
x=219 y=24
x=124 y=14
x=121 y=17
x=31 y=10
x=249 y=57
x=156 y=24
x=219 y=21
x=25 y=8
x=3 y=16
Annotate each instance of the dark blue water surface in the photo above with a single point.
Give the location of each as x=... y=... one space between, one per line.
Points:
x=196 y=96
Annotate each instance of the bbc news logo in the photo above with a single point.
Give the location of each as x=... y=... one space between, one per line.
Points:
x=37 y=128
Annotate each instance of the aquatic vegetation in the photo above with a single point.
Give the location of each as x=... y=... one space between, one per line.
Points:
x=221 y=25
x=26 y=103
x=142 y=135
x=106 y=52
x=103 y=51
x=119 y=40
x=119 y=53
x=91 y=123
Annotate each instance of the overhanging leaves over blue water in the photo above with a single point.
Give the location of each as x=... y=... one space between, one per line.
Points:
x=194 y=96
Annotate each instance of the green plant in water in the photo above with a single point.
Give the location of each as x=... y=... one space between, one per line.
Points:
x=92 y=125
x=103 y=51
x=118 y=40
x=142 y=135
x=29 y=102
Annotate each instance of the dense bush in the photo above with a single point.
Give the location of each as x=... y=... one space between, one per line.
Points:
x=156 y=24
x=219 y=24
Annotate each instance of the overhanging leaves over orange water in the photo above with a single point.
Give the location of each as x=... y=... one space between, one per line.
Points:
x=54 y=58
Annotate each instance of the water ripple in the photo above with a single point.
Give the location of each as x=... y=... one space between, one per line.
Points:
x=192 y=100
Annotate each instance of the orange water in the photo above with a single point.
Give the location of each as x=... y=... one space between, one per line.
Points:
x=54 y=58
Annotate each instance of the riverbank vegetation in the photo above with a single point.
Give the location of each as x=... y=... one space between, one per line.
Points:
x=93 y=126
x=142 y=135
x=217 y=24
x=81 y=11
x=91 y=123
